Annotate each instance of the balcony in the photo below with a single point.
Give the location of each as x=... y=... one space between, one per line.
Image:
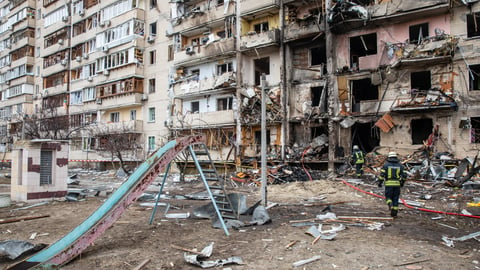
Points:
x=84 y=107
x=56 y=68
x=124 y=100
x=345 y=19
x=258 y=6
x=133 y=126
x=262 y=40
x=22 y=42
x=205 y=119
x=18 y=5
x=17 y=100
x=200 y=54
x=213 y=85
x=26 y=60
x=203 y=19
x=55 y=90
x=59 y=46
x=302 y=29
x=425 y=101
x=25 y=23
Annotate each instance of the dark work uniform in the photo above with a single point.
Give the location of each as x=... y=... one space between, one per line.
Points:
x=392 y=175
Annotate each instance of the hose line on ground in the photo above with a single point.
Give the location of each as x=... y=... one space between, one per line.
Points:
x=409 y=206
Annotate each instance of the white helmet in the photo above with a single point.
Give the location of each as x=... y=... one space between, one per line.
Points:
x=392 y=154
x=355 y=147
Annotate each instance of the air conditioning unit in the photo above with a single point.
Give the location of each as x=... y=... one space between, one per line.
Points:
x=81 y=13
x=65 y=18
x=8 y=46
x=189 y=50
x=7 y=82
x=85 y=55
x=78 y=58
x=144 y=97
x=10 y=28
x=105 y=48
x=99 y=101
x=102 y=24
x=108 y=23
x=150 y=39
x=106 y=72
x=60 y=41
x=63 y=62
x=90 y=79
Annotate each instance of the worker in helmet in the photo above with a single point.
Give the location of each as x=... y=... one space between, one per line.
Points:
x=358 y=158
x=393 y=176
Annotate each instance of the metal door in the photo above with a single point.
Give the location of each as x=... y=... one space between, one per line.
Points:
x=46 y=167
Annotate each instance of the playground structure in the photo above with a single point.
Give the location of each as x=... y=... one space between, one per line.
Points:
x=77 y=240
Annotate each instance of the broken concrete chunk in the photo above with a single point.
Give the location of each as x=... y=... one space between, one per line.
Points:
x=260 y=216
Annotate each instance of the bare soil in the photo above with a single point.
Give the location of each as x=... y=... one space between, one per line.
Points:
x=411 y=241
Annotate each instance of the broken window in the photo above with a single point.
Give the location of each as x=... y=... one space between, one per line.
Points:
x=362 y=89
x=474 y=71
x=475 y=130
x=226 y=67
x=258 y=137
x=195 y=106
x=261 y=27
x=418 y=32
x=224 y=104
x=420 y=80
x=473 y=27
x=153 y=3
x=363 y=45
x=219 y=2
x=319 y=97
x=318 y=57
x=262 y=66
x=421 y=129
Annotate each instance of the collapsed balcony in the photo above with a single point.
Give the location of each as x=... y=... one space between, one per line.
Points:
x=251 y=106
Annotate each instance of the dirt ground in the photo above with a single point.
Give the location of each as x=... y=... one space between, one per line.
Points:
x=411 y=241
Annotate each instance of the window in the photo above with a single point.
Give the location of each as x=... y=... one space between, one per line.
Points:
x=219 y=2
x=151 y=86
x=475 y=130
x=153 y=3
x=261 y=66
x=362 y=90
x=421 y=80
x=319 y=97
x=151 y=143
x=88 y=143
x=421 y=129
x=76 y=98
x=195 y=107
x=418 y=33
x=153 y=29
x=153 y=56
x=224 y=104
x=261 y=27
x=473 y=24
x=115 y=117
x=133 y=115
x=151 y=114
x=88 y=93
x=227 y=67
x=170 y=53
x=474 y=71
x=360 y=46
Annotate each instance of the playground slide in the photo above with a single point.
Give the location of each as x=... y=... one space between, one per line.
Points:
x=76 y=241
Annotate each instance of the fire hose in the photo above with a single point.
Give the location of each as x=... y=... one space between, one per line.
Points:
x=409 y=206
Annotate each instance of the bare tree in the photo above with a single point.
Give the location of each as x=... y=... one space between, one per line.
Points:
x=46 y=124
x=119 y=142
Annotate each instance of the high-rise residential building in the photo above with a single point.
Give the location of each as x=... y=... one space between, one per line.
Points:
x=382 y=74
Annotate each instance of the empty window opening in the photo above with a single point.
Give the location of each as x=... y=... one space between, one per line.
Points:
x=363 y=45
x=258 y=137
x=261 y=27
x=195 y=107
x=421 y=80
x=262 y=65
x=418 y=32
x=362 y=90
x=474 y=72
x=473 y=24
x=224 y=104
x=366 y=136
x=153 y=29
x=318 y=57
x=421 y=129
x=319 y=98
x=475 y=131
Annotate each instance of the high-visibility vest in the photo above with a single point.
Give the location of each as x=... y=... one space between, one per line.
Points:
x=393 y=176
x=359 y=157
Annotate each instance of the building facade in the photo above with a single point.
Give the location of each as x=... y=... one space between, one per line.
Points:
x=381 y=74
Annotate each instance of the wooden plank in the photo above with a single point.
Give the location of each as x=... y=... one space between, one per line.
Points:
x=12 y=220
x=186 y=249
x=141 y=265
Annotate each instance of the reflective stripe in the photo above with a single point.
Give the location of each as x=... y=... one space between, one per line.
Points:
x=359 y=157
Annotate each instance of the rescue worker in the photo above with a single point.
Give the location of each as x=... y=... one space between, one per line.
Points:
x=359 y=159
x=393 y=176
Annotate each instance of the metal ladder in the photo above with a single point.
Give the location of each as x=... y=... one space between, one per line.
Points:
x=208 y=173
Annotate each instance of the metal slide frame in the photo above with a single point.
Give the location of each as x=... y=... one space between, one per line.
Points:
x=75 y=242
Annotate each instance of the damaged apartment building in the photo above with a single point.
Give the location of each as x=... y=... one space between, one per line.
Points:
x=386 y=75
